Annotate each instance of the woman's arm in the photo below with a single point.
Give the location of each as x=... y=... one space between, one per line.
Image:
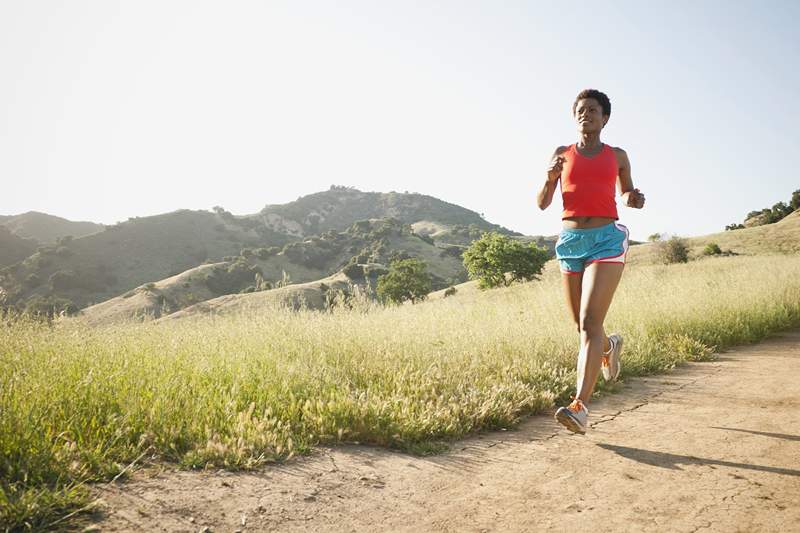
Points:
x=631 y=197
x=545 y=196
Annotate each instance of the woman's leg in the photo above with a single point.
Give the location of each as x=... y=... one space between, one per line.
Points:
x=572 y=290
x=600 y=280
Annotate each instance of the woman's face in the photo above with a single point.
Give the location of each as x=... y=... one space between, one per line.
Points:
x=589 y=116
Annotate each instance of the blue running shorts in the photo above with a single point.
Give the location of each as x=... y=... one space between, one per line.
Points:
x=576 y=248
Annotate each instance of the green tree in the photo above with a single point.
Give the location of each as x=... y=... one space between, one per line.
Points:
x=655 y=237
x=794 y=203
x=407 y=279
x=489 y=258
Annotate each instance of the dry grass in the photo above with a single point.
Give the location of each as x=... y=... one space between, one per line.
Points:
x=80 y=403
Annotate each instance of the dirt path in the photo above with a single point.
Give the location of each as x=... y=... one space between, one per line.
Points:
x=712 y=447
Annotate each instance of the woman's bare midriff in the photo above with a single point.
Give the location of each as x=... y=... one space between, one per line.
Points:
x=587 y=222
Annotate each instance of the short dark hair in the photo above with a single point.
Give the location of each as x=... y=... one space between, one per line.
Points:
x=601 y=98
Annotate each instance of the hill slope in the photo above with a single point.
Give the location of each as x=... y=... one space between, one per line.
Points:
x=309 y=239
x=47 y=229
x=14 y=248
x=339 y=207
x=360 y=253
x=782 y=237
x=100 y=266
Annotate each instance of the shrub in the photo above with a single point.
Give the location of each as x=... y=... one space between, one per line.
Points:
x=232 y=279
x=64 y=280
x=354 y=271
x=489 y=258
x=50 y=306
x=407 y=279
x=712 y=248
x=655 y=237
x=452 y=251
x=450 y=291
x=673 y=251
x=426 y=238
x=265 y=253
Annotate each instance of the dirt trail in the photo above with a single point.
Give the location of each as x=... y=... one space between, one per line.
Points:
x=711 y=446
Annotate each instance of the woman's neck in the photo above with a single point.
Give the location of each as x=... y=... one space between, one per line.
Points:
x=589 y=141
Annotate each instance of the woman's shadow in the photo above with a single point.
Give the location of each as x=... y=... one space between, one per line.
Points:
x=671 y=460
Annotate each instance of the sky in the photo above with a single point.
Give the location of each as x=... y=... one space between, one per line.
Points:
x=115 y=109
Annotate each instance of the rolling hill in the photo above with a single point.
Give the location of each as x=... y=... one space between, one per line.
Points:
x=782 y=237
x=339 y=207
x=102 y=265
x=304 y=238
x=360 y=253
x=47 y=229
x=14 y=248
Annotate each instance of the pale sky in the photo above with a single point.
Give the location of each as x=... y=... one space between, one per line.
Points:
x=113 y=109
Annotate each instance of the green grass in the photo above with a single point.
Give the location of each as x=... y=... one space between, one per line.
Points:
x=79 y=404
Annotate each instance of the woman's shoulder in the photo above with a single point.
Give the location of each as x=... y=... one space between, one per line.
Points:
x=561 y=149
x=618 y=150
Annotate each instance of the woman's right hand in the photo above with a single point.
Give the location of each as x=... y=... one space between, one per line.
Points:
x=556 y=164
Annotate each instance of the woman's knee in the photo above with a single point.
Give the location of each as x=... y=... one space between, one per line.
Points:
x=590 y=325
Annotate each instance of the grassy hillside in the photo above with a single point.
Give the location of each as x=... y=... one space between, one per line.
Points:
x=47 y=229
x=339 y=207
x=782 y=237
x=364 y=249
x=14 y=248
x=323 y=294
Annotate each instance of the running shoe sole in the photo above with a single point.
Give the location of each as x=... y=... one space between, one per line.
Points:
x=568 y=421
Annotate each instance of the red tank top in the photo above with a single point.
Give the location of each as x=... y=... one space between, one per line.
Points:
x=588 y=184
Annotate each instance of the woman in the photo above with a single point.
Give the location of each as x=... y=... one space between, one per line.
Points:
x=591 y=248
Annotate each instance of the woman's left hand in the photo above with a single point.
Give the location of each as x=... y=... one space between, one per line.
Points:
x=634 y=199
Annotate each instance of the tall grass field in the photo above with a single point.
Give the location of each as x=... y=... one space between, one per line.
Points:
x=81 y=404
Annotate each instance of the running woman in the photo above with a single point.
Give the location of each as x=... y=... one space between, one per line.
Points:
x=592 y=246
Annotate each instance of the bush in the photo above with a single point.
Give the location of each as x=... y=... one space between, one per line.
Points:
x=407 y=279
x=673 y=251
x=32 y=281
x=426 y=238
x=232 y=279
x=655 y=237
x=64 y=280
x=489 y=258
x=266 y=253
x=452 y=251
x=712 y=248
x=450 y=291
x=354 y=271
x=50 y=306
x=63 y=251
